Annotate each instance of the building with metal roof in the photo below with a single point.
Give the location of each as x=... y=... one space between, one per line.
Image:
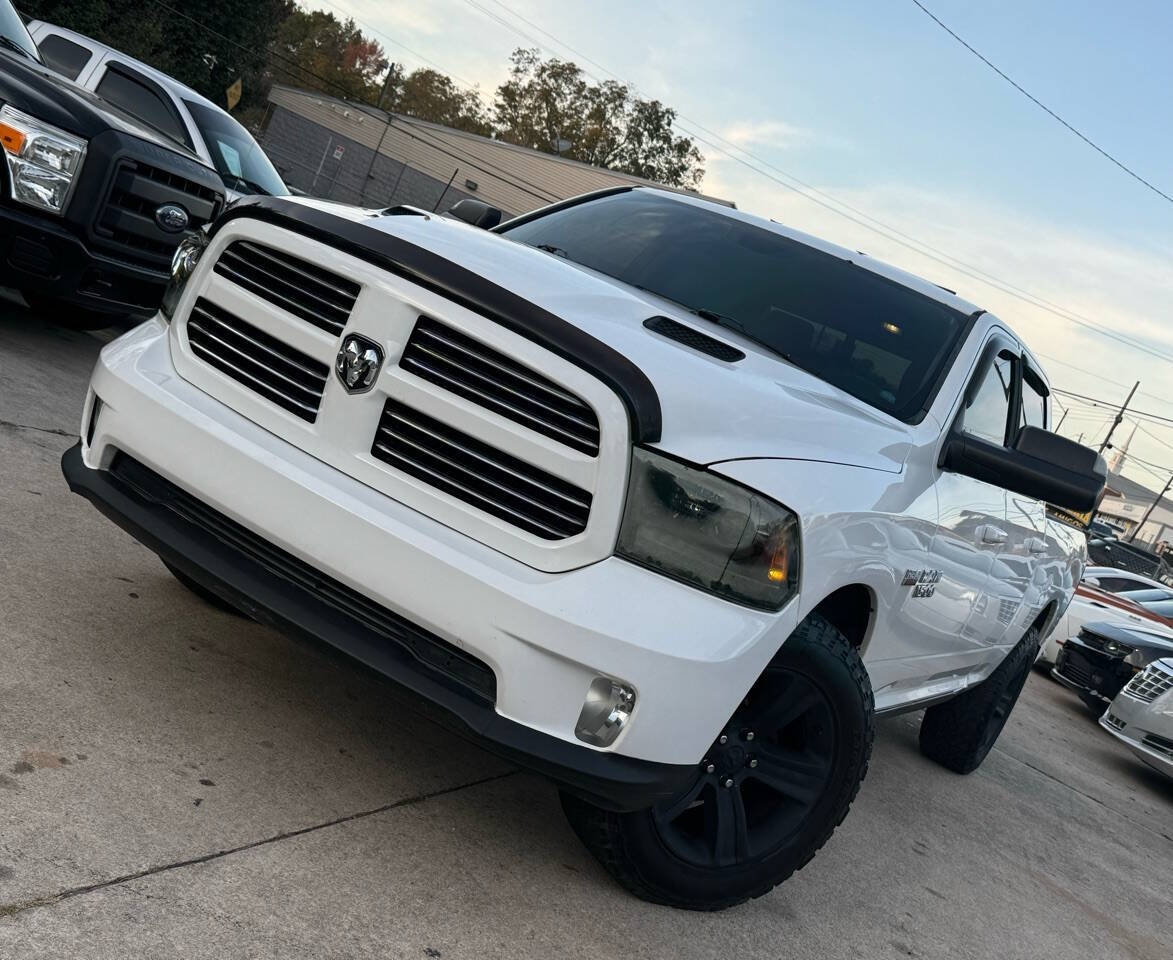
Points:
x=354 y=153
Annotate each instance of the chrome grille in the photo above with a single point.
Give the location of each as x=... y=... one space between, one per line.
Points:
x=478 y=474
x=303 y=289
x=1156 y=679
x=490 y=379
x=275 y=370
x=1160 y=744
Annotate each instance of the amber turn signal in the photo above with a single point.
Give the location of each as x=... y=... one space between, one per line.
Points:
x=11 y=139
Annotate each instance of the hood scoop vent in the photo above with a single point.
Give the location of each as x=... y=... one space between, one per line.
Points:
x=701 y=342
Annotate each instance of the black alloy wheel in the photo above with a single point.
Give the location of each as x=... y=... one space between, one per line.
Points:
x=761 y=778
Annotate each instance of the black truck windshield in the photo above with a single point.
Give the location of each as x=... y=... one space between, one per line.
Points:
x=13 y=34
x=237 y=157
x=873 y=338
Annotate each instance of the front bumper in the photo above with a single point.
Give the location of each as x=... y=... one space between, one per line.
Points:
x=690 y=656
x=1132 y=722
x=39 y=253
x=1089 y=672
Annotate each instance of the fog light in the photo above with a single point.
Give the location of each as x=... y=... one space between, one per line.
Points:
x=607 y=708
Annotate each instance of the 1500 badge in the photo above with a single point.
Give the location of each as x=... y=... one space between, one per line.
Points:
x=923 y=582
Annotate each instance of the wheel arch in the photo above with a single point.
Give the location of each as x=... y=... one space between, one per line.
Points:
x=852 y=610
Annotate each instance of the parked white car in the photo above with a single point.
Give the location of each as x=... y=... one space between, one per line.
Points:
x=1141 y=716
x=164 y=103
x=1115 y=580
x=1098 y=605
x=658 y=498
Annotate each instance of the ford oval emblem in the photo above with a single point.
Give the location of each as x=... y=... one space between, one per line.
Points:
x=171 y=217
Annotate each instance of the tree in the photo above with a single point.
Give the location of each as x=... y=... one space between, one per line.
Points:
x=208 y=48
x=315 y=50
x=550 y=105
x=430 y=95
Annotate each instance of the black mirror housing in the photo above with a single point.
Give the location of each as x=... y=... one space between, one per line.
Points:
x=476 y=212
x=1041 y=464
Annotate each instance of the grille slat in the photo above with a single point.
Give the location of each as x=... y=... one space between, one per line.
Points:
x=307 y=291
x=472 y=471
x=1155 y=680
x=257 y=360
x=488 y=378
x=126 y=221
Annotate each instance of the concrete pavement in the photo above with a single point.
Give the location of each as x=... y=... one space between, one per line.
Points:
x=179 y=782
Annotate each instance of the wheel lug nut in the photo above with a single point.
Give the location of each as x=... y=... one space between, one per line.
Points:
x=748 y=734
x=753 y=762
x=722 y=739
x=729 y=783
x=710 y=768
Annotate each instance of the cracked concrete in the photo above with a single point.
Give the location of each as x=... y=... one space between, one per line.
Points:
x=177 y=782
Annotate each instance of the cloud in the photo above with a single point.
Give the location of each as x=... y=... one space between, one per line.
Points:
x=765 y=133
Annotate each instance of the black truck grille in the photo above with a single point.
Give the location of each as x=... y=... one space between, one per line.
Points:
x=126 y=222
x=261 y=362
x=474 y=677
x=307 y=291
x=488 y=378
x=478 y=474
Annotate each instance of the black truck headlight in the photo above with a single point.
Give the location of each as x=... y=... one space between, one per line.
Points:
x=43 y=161
x=183 y=265
x=715 y=534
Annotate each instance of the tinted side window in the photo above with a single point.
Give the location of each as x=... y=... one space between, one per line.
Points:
x=1034 y=407
x=64 y=56
x=141 y=101
x=1116 y=584
x=988 y=406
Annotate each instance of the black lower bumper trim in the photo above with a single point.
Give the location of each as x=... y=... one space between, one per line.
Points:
x=184 y=532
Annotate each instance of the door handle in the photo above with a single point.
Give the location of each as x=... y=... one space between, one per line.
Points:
x=1035 y=545
x=992 y=534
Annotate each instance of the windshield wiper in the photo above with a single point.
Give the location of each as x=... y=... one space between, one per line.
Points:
x=250 y=185
x=13 y=45
x=550 y=248
x=721 y=319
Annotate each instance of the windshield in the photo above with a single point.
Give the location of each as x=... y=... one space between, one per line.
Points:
x=237 y=157
x=1146 y=596
x=871 y=337
x=12 y=30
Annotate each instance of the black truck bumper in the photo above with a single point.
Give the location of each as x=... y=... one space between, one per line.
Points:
x=40 y=254
x=275 y=588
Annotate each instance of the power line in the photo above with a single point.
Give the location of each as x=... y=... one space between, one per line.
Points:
x=1109 y=403
x=806 y=190
x=1038 y=103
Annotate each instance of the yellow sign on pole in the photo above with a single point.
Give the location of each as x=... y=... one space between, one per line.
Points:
x=233 y=94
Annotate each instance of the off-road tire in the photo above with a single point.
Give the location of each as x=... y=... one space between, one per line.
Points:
x=632 y=849
x=203 y=592
x=959 y=733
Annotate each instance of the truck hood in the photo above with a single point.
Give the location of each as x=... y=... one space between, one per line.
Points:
x=38 y=91
x=758 y=408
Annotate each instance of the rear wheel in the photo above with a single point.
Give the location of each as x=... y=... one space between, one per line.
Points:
x=776 y=782
x=960 y=732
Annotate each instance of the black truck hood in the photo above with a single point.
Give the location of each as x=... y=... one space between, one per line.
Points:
x=36 y=90
x=1130 y=636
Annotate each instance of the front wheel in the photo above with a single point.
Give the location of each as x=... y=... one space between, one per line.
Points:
x=776 y=782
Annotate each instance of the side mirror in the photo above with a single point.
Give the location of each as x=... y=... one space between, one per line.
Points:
x=476 y=212
x=1042 y=465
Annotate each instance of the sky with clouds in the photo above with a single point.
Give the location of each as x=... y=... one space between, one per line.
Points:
x=874 y=106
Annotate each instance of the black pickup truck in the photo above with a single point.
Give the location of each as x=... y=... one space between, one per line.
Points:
x=93 y=202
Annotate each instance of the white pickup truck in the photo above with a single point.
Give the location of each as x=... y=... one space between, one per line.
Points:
x=654 y=497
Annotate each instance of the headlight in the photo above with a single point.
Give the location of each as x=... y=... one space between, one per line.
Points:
x=713 y=533
x=43 y=162
x=183 y=264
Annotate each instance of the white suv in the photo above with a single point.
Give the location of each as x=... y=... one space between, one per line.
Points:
x=657 y=498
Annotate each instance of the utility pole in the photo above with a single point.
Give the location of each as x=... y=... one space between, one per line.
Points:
x=1061 y=419
x=1149 y=511
x=366 y=182
x=1119 y=417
